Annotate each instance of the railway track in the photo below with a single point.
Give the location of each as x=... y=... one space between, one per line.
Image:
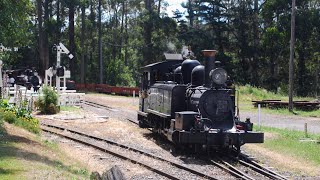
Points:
x=257 y=171
x=97 y=105
x=91 y=140
x=246 y=161
x=101 y=106
x=248 y=165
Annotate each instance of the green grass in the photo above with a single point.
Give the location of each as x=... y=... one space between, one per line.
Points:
x=10 y=167
x=287 y=142
x=69 y=108
x=18 y=163
x=51 y=145
x=249 y=93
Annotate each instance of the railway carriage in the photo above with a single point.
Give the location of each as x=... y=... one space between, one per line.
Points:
x=193 y=105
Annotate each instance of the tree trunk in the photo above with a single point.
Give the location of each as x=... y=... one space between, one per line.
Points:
x=159 y=7
x=71 y=40
x=41 y=41
x=126 y=37
x=94 y=65
x=58 y=23
x=291 y=67
x=100 y=44
x=254 y=74
x=122 y=27
x=115 y=36
x=45 y=35
x=147 y=52
x=83 y=9
x=190 y=12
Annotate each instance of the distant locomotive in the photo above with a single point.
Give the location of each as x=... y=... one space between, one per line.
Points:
x=193 y=105
x=24 y=77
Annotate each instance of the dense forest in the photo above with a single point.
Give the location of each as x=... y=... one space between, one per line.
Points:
x=112 y=39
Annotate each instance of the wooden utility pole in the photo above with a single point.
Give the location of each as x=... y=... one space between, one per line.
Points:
x=317 y=79
x=293 y=23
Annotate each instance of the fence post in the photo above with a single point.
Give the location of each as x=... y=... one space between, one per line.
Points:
x=134 y=96
x=259 y=118
x=306 y=129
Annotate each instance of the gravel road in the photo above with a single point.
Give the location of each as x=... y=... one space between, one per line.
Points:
x=282 y=121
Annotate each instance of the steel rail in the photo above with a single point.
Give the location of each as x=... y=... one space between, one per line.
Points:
x=258 y=168
x=97 y=104
x=104 y=149
x=235 y=170
x=133 y=149
x=93 y=104
x=133 y=121
x=232 y=172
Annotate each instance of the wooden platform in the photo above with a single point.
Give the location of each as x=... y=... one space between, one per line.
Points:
x=274 y=104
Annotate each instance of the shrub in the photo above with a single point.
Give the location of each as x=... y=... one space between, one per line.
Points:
x=18 y=116
x=4 y=103
x=30 y=124
x=47 y=104
x=9 y=116
x=1 y=123
x=27 y=122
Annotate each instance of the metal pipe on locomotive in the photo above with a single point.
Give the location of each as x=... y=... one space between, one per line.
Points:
x=193 y=105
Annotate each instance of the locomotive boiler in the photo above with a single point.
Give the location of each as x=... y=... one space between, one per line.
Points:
x=193 y=105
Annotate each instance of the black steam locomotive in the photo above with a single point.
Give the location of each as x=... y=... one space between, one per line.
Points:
x=193 y=105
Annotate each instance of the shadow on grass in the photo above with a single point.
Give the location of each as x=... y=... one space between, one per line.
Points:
x=8 y=150
x=8 y=171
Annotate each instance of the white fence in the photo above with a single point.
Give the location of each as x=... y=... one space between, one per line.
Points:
x=19 y=94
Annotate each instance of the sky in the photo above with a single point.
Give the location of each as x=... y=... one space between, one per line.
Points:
x=173 y=5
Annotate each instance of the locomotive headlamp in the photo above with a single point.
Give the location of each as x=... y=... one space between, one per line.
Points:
x=219 y=76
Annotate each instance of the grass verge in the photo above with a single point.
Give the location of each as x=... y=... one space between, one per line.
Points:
x=288 y=142
x=24 y=156
x=249 y=93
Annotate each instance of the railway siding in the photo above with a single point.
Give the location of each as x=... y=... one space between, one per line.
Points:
x=159 y=165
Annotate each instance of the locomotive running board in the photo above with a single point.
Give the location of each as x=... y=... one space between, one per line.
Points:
x=158 y=113
x=142 y=113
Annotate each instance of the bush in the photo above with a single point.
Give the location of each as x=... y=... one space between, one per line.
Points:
x=47 y=104
x=1 y=123
x=18 y=116
x=31 y=124
x=9 y=116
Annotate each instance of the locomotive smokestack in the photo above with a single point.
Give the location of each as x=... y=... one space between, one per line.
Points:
x=209 y=64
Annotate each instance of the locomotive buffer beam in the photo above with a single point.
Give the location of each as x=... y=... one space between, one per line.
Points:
x=215 y=138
